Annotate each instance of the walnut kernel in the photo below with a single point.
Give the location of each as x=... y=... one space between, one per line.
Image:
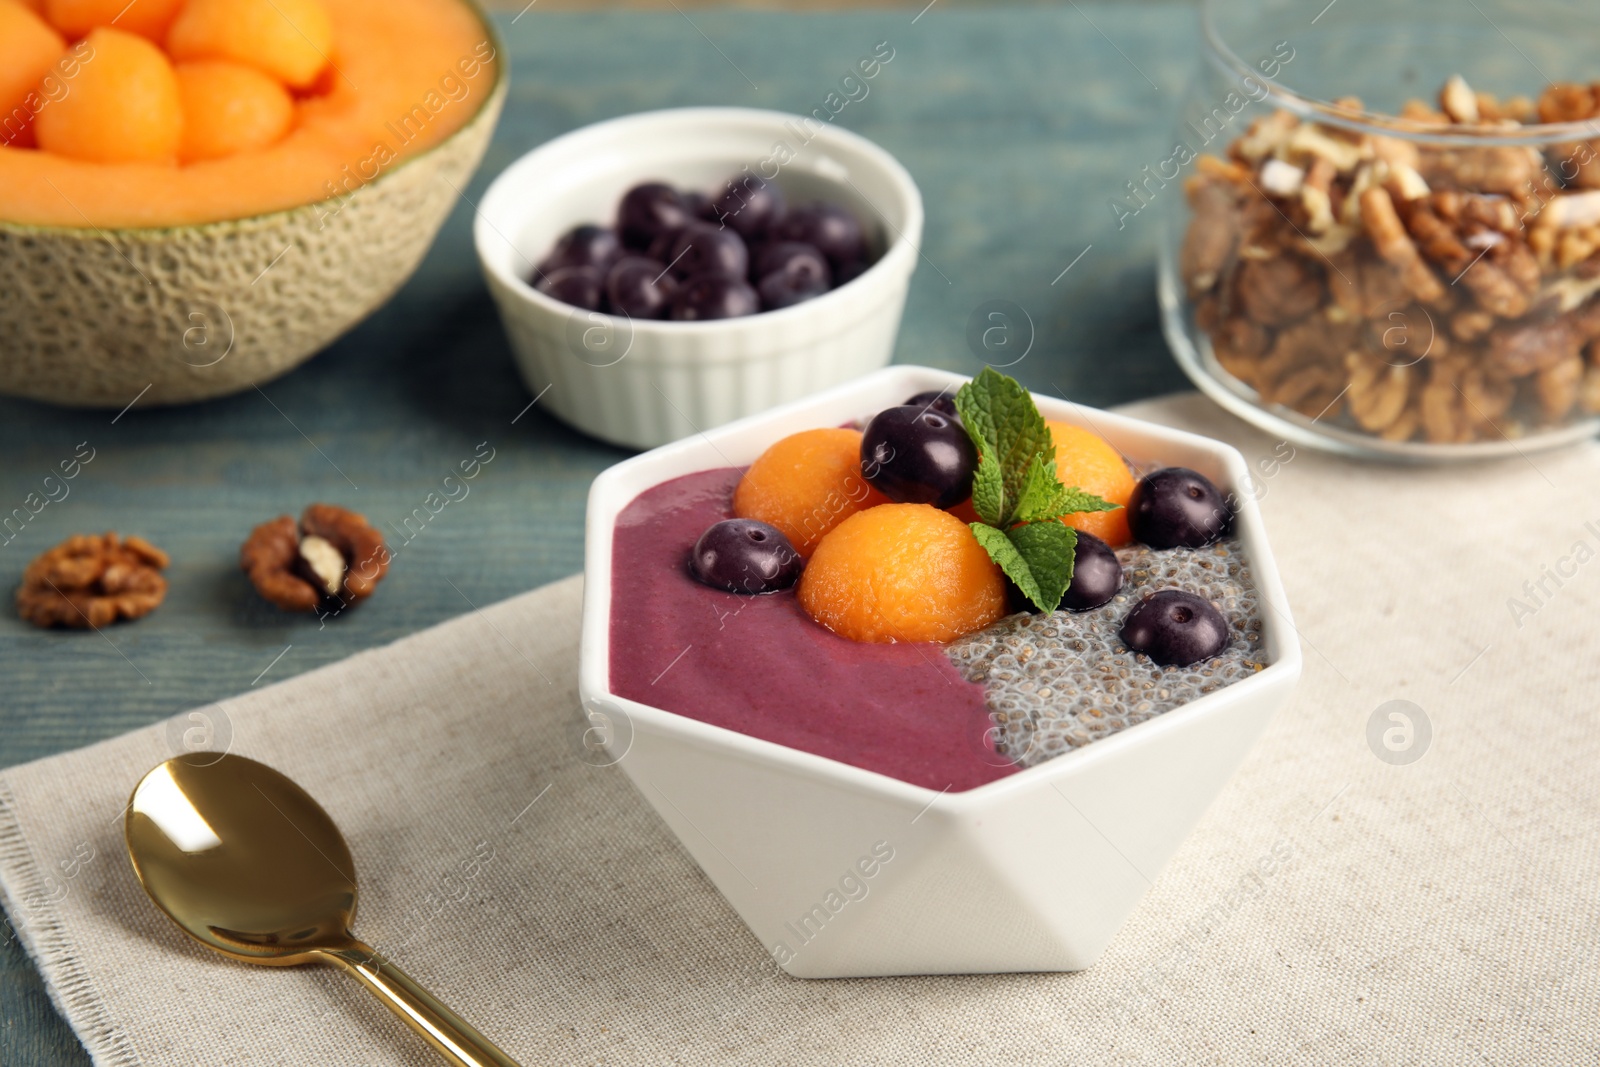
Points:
x=87 y=582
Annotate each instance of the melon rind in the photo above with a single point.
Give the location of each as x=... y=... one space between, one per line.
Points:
x=92 y=317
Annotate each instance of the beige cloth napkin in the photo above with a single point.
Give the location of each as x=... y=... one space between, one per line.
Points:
x=1332 y=907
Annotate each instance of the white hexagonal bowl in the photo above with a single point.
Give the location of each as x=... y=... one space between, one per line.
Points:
x=1034 y=872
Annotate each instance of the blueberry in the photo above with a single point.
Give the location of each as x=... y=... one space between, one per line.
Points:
x=640 y=288
x=749 y=205
x=702 y=248
x=830 y=228
x=698 y=205
x=582 y=246
x=714 y=296
x=1175 y=628
x=780 y=290
x=940 y=400
x=918 y=456
x=661 y=245
x=849 y=272
x=807 y=267
x=1096 y=575
x=745 y=556
x=648 y=209
x=1176 y=506
x=582 y=287
x=788 y=273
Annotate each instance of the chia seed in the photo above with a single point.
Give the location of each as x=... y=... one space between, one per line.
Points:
x=1059 y=681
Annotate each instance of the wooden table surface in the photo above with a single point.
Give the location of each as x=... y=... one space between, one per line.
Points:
x=1019 y=124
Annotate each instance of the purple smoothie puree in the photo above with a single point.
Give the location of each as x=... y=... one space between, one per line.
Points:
x=761 y=666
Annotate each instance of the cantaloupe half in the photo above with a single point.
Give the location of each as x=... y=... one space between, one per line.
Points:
x=199 y=279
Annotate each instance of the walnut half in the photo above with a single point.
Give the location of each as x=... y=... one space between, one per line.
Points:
x=330 y=559
x=87 y=582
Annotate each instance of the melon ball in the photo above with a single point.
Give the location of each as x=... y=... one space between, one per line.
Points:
x=806 y=484
x=120 y=107
x=147 y=18
x=229 y=108
x=288 y=39
x=29 y=47
x=902 y=572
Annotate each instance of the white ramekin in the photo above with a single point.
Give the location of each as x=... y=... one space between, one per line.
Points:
x=644 y=383
x=1033 y=872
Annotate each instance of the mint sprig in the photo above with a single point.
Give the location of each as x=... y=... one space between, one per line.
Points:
x=1016 y=491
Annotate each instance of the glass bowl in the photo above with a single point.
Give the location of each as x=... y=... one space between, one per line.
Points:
x=1382 y=232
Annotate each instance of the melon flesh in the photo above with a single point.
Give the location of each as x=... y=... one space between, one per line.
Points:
x=410 y=73
x=120 y=106
x=288 y=39
x=147 y=18
x=29 y=47
x=229 y=108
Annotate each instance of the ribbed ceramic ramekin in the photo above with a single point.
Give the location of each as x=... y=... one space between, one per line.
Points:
x=644 y=383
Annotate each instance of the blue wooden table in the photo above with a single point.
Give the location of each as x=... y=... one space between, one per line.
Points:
x=1019 y=124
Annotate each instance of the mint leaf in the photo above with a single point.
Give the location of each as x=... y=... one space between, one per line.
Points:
x=988 y=489
x=1042 y=493
x=1048 y=550
x=1038 y=557
x=1074 y=500
x=1004 y=553
x=1002 y=421
x=1016 y=490
x=1044 y=497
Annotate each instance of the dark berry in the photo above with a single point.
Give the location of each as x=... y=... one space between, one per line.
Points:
x=698 y=205
x=780 y=290
x=940 y=400
x=702 y=248
x=661 y=246
x=918 y=456
x=582 y=246
x=1176 y=507
x=714 y=296
x=745 y=556
x=1096 y=575
x=582 y=287
x=640 y=288
x=830 y=228
x=806 y=267
x=749 y=205
x=849 y=272
x=1175 y=628
x=648 y=209
x=788 y=273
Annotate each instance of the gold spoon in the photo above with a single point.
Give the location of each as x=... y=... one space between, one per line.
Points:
x=246 y=863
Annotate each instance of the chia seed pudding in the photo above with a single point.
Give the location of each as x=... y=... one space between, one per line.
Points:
x=1059 y=681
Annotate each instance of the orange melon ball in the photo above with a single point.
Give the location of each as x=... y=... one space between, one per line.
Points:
x=805 y=485
x=147 y=18
x=29 y=47
x=902 y=572
x=288 y=39
x=120 y=107
x=1084 y=459
x=229 y=108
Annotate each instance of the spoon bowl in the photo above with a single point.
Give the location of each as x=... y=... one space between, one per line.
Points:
x=249 y=865
x=242 y=859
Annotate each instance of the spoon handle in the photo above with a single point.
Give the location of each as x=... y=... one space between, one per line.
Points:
x=450 y=1035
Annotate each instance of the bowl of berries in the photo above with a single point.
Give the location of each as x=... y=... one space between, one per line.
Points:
x=663 y=273
x=928 y=674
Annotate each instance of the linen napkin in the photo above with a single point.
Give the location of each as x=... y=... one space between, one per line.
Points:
x=1342 y=902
